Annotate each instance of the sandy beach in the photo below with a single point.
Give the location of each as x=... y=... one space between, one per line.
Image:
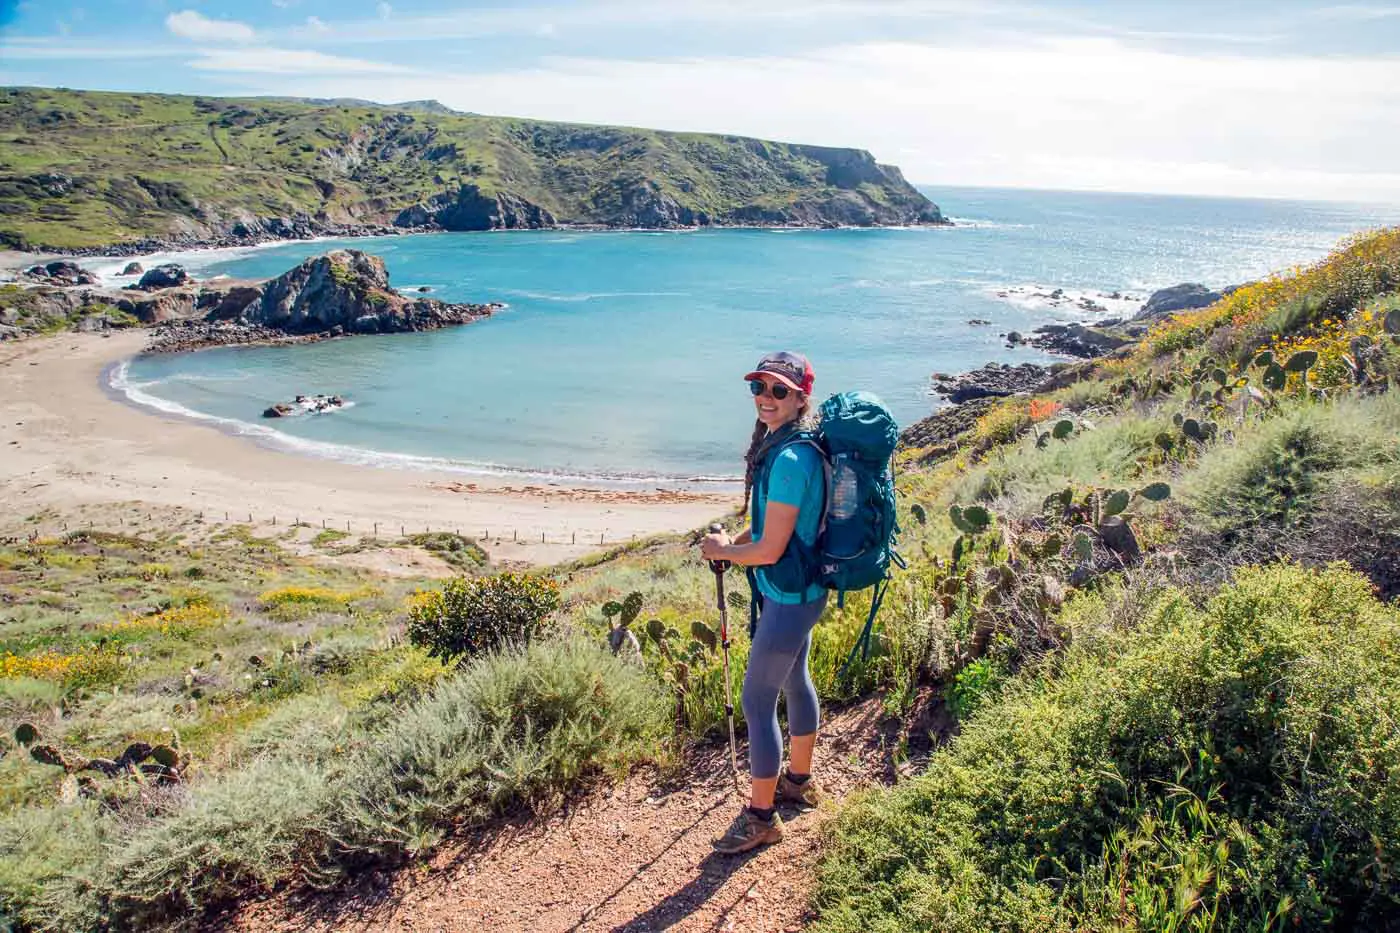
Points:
x=74 y=454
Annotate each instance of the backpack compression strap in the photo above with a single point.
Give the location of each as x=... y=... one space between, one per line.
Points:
x=787 y=436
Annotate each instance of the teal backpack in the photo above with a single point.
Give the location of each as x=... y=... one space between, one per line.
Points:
x=856 y=437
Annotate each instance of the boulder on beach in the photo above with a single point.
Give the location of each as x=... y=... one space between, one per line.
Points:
x=133 y=268
x=169 y=275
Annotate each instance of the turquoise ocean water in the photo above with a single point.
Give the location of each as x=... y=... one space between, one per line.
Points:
x=621 y=353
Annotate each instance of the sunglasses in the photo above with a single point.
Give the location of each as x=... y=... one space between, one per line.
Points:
x=778 y=390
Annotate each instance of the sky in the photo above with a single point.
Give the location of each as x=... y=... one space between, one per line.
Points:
x=1261 y=98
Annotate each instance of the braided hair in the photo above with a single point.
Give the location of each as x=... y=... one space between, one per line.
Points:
x=804 y=421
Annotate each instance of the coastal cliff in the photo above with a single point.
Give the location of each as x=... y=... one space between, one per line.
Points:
x=82 y=171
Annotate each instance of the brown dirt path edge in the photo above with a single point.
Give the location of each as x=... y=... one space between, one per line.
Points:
x=632 y=858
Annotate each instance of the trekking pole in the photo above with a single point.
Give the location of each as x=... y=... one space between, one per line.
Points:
x=719 y=567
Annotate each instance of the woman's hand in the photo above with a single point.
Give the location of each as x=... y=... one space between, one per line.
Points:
x=712 y=547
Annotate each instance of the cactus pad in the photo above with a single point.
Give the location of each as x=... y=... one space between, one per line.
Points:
x=1301 y=362
x=1155 y=492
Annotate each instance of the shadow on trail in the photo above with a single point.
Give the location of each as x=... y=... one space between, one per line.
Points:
x=715 y=870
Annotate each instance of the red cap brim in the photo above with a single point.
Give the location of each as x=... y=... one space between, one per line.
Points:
x=778 y=376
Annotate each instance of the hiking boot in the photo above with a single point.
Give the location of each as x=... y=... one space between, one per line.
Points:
x=749 y=831
x=806 y=794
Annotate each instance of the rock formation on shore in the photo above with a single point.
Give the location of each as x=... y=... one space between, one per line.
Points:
x=342 y=292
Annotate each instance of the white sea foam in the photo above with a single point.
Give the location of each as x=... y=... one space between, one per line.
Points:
x=108 y=268
x=1069 y=303
x=976 y=222
x=119 y=381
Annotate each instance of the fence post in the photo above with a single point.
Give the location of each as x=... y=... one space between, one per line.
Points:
x=573 y=538
x=600 y=537
x=347 y=526
x=515 y=535
x=541 y=537
x=376 y=529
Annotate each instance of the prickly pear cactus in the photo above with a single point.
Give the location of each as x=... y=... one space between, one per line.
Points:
x=704 y=634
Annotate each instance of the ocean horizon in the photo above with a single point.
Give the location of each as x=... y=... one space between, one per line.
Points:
x=619 y=357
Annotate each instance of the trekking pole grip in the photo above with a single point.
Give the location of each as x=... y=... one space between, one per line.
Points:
x=718 y=566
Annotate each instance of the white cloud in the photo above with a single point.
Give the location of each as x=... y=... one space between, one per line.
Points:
x=273 y=61
x=384 y=10
x=316 y=23
x=47 y=49
x=1357 y=12
x=1081 y=113
x=189 y=24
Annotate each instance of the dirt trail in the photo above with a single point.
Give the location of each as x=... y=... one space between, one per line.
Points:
x=628 y=859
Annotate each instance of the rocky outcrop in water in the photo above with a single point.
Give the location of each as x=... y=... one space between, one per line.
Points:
x=169 y=275
x=339 y=293
x=1076 y=340
x=348 y=291
x=994 y=380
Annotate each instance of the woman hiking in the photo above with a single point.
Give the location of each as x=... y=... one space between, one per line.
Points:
x=784 y=481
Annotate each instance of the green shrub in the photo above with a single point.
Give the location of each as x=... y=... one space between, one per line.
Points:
x=973 y=686
x=515 y=727
x=257 y=826
x=1229 y=767
x=468 y=617
x=1273 y=474
x=462 y=553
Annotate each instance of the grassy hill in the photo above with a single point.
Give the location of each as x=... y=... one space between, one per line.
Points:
x=85 y=169
x=1159 y=600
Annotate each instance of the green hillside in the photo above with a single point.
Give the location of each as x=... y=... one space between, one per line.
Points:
x=85 y=169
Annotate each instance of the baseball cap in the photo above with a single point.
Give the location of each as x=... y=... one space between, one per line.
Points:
x=792 y=369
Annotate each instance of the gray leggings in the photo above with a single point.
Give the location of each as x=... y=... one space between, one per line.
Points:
x=778 y=661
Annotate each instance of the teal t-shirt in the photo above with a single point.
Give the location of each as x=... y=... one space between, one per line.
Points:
x=796 y=478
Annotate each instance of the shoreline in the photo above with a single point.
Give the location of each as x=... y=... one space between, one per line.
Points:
x=269 y=438
x=73 y=449
x=17 y=260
